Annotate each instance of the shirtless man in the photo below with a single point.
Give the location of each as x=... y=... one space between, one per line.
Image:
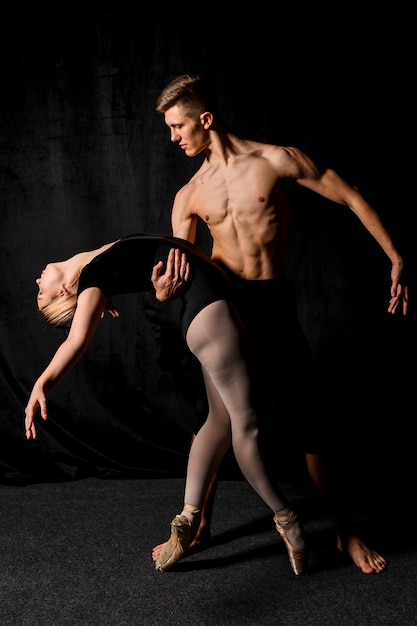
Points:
x=242 y=193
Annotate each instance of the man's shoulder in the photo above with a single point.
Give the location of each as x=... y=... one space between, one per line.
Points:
x=267 y=150
x=281 y=158
x=287 y=158
x=185 y=193
x=188 y=187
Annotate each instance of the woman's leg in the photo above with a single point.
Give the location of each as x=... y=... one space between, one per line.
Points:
x=208 y=448
x=216 y=341
x=206 y=453
x=203 y=536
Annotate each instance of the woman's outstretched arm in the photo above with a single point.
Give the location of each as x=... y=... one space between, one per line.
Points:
x=87 y=316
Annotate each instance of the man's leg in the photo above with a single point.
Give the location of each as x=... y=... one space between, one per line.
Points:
x=348 y=541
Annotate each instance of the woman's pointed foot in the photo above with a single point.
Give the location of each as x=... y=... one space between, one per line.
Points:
x=298 y=553
x=200 y=542
x=182 y=535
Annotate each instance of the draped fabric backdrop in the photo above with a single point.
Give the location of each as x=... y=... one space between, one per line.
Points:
x=85 y=158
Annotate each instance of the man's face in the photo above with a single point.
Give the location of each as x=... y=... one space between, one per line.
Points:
x=191 y=135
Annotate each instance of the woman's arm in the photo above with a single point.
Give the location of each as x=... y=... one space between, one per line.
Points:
x=90 y=307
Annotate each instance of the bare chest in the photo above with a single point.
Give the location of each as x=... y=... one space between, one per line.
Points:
x=238 y=193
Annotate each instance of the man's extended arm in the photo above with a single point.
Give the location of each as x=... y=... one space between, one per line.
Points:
x=331 y=186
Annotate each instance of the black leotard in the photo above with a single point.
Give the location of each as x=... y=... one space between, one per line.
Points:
x=126 y=267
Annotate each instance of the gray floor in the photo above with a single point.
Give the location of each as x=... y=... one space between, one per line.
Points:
x=78 y=554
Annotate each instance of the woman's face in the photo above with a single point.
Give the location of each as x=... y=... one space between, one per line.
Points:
x=49 y=284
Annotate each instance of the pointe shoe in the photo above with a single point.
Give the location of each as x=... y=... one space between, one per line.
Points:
x=299 y=559
x=182 y=535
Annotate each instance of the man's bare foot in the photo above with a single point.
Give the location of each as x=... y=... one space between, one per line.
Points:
x=369 y=561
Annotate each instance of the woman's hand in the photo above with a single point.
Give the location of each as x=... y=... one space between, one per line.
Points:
x=110 y=308
x=398 y=291
x=399 y=298
x=37 y=401
x=171 y=283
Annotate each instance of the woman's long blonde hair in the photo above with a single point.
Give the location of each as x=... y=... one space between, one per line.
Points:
x=60 y=310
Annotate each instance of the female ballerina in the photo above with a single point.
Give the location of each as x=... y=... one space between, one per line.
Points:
x=75 y=293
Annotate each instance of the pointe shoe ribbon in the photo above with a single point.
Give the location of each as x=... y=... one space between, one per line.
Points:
x=299 y=559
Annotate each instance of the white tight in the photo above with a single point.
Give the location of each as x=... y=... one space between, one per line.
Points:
x=215 y=339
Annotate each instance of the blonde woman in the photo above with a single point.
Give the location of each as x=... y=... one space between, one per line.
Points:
x=75 y=294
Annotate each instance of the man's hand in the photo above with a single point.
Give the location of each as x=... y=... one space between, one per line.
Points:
x=171 y=283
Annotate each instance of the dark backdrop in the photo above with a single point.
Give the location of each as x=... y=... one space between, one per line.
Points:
x=85 y=158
